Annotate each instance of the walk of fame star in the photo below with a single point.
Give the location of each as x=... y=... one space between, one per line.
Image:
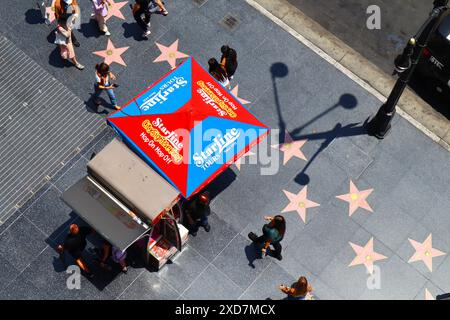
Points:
x=299 y=202
x=291 y=148
x=356 y=199
x=170 y=54
x=114 y=10
x=425 y=252
x=112 y=54
x=365 y=255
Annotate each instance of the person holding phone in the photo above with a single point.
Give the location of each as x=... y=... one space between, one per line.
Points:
x=103 y=79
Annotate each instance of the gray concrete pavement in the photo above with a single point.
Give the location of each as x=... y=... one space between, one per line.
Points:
x=401 y=197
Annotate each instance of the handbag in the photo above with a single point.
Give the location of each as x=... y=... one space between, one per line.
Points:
x=60 y=39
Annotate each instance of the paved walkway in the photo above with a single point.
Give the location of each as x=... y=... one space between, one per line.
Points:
x=382 y=204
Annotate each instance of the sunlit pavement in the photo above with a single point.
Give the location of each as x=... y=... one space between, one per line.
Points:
x=353 y=204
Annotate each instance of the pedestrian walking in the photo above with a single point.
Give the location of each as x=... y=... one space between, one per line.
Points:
x=229 y=60
x=301 y=290
x=101 y=8
x=103 y=79
x=158 y=4
x=141 y=8
x=64 y=41
x=197 y=212
x=42 y=6
x=273 y=233
x=119 y=256
x=219 y=73
x=69 y=10
x=74 y=244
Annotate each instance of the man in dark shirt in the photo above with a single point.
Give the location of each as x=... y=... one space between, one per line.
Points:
x=197 y=213
x=140 y=8
x=229 y=60
x=75 y=243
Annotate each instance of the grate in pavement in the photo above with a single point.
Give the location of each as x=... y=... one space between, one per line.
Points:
x=230 y=22
x=42 y=124
x=199 y=3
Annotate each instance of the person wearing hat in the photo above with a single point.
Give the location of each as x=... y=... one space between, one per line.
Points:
x=197 y=213
x=74 y=244
x=69 y=10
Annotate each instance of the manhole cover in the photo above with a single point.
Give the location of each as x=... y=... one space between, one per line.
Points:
x=199 y=3
x=230 y=22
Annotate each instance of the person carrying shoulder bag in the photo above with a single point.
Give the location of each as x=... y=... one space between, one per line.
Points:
x=64 y=42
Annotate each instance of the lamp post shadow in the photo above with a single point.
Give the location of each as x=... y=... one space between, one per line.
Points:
x=346 y=101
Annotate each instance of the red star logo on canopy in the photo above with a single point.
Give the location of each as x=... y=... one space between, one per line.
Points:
x=112 y=54
x=238 y=162
x=234 y=92
x=356 y=199
x=425 y=252
x=299 y=202
x=365 y=255
x=291 y=148
x=170 y=54
x=114 y=10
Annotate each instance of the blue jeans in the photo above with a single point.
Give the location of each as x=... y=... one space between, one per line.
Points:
x=110 y=92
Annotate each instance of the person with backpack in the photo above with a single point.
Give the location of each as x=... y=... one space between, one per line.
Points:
x=218 y=72
x=103 y=79
x=70 y=11
x=100 y=13
x=273 y=233
x=64 y=42
x=229 y=60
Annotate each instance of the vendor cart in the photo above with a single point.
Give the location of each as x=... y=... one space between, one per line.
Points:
x=128 y=203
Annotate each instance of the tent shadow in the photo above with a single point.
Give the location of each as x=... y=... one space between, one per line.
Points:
x=220 y=183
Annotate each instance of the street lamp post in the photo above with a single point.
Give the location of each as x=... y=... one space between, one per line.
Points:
x=405 y=65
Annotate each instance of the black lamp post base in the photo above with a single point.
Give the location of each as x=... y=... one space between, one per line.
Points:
x=380 y=125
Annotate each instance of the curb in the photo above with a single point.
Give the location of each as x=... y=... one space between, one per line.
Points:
x=354 y=65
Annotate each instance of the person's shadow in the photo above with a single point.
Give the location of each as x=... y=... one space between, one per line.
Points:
x=56 y=60
x=90 y=29
x=253 y=252
x=34 y=16
x=133 y=30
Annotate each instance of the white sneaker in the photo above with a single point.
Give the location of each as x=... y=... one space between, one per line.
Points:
x=147 y=33
x=149 y=24
x=107 y=33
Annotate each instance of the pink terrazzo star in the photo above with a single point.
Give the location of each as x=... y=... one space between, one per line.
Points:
x=235 y=93
x=114 y=10
x=356 y=199
x=428 y=295
x=51 y=12
x=365 y=255
x=299 y=202
x=170 y=54
x=425 y=252
x=238 y=162
x=291 y=148
x=112 y=54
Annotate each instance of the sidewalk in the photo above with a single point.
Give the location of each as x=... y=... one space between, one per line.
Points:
x=290 y=88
